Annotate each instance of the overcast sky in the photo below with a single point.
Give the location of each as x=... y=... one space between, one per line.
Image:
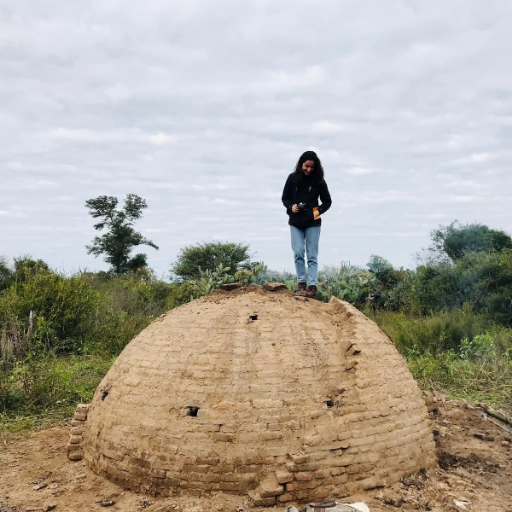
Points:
x=203 y=108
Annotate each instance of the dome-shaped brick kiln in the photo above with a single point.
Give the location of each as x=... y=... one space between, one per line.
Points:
x=262 y=393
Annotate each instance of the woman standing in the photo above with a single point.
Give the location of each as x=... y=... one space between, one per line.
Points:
x=300 y=197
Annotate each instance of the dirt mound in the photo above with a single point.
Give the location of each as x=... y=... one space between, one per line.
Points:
x=259 y=392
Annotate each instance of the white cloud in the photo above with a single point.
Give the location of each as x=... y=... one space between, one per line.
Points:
x=480 y=157
x=162 y=138
x=359 y=171
x=327 y=127
x=462 y=199
x=106 y=136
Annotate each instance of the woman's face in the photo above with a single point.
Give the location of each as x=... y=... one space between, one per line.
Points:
x=308 y=167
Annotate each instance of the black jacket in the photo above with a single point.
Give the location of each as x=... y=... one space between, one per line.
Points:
x=305 y=191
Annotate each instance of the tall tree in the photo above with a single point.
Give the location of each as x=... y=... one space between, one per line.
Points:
x=457 y=240
x=118 y=242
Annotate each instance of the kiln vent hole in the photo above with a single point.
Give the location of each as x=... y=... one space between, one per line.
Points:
x=192 y=410
x=253 y=317
x=329 y=403
x=104 y=394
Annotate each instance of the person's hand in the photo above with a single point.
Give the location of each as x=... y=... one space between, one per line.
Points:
x=295 y=209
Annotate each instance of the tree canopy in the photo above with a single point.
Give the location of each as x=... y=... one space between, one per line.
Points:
x=457 y=240
x=118 y=242
x=194 y=259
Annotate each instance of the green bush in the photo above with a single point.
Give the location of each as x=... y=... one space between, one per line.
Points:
x=480 y=346
x=63 y=308
x=432 y=334
x=45 y=389
x=207 y=257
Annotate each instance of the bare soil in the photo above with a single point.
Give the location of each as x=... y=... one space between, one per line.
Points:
x=474 y=473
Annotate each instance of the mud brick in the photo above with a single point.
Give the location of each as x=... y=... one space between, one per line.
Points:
x=233 y=486
x=77 y=423
x=271 y=436
x=81 y=416
x=272 y=492
x=338 y=445
x=369 y=457
x=225 y=438
x=319 y=493
x=210 y=477
x=309 y=466
x=275 y=451
x=250 y=468
x=172 y=480
x=248 y=478
x=207 y=461
x=288 y=419
x=343 y=435
x=84 y=408
x=192 y=468
x=76 y=431
x=266 y=404
x=75 y=439
x=320 y=456
x=294 y=486
x=303 y=476
x=284 y=477
x=301 y=495
x=72 y=447
x=223 y=468
x=300 y=458
x=157 y=473
x=76 y=455
x=291 y=467
x=113 y=454
x=161 y=464
x=344 y=460
x=285 y=497
x=269 y=501
x=229 y=477
x=322 y=473
x=359 y=468
x=313 y=440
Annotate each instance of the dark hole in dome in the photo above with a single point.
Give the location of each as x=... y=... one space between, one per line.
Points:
x=192 y=410
x=104 y=394
x=329 y=403
x=254 y=317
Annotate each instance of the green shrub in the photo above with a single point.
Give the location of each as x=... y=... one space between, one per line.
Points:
x=45 y=389
x=432 y=334
x=488 y=380
x=207 y=257
x=63 y=308
x=480 y=346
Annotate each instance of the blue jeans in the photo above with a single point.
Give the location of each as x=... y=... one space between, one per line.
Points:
x=306 y=240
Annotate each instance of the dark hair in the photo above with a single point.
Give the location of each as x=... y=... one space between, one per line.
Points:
x=318 y=170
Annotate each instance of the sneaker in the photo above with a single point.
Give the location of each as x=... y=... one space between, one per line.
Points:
x=311 y=291
x=301 y=289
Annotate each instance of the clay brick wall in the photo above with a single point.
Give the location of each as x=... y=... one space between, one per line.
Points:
x=311 y=400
